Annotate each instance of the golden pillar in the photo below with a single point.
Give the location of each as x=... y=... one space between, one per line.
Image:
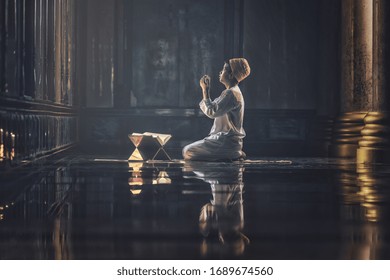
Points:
x=373 y=182
x=363 y=56
x=374 y=144
x=365 y=204
x=363 y=128
x=347 y=134
x=356 y=71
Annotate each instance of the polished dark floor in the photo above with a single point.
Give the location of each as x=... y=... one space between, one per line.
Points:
x=77 y=206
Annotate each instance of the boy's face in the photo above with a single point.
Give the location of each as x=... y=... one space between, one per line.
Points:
x=224 y=75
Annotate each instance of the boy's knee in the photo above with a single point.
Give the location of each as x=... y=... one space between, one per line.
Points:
x=186 y=153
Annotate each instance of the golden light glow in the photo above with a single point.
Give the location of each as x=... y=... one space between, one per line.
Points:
x=135 y=166
x=136 y=175
x=136 y=155
x=372 y=212
x=148 y=146
x=12 y=154
x=1 y=145
x=162 y=178
x=136 y=138
x=135 y=191
x=136 y=179
x=204 y=248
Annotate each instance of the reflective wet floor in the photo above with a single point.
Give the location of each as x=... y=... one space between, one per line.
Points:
x=103 y=207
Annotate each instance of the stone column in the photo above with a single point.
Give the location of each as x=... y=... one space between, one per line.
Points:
x=363 y=56
x=347 y=55
x=355 y=61
x=2 y=47
x=374 y=145
x=357 y=75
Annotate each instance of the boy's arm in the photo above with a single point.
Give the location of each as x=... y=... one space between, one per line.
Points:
x=205 y=85
x=219 y=106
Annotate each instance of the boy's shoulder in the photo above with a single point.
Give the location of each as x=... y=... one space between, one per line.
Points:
x=234 y=89
x=233 y=93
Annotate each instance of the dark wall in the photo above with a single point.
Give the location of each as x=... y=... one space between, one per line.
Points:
x=329 y=59
x=281 y=42
x=175 y=43
x=152 y=53
x=37 y=78
x=168 y=45
x=145 y=57
x=135 y=65
x=100 y=44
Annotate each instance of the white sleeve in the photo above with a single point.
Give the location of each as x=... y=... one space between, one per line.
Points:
x=220 y=106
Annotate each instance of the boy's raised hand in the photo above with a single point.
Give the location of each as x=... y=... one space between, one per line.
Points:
x=205 y=82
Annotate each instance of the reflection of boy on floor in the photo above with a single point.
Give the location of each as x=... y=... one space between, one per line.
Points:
x=221 y=221
x=225 y=139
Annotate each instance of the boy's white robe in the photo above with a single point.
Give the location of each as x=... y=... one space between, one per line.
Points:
x=225 y=138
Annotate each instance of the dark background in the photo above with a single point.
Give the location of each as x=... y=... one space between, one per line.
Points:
x=104 y=69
